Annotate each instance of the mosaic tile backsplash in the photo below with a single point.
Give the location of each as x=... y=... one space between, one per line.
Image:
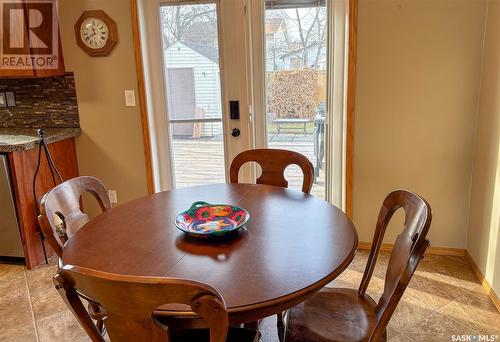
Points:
x=40 y=102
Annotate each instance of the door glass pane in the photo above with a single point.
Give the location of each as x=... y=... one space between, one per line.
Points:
x=296 y=60
x=191 y=59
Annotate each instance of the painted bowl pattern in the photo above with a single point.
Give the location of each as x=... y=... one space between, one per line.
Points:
x=207 y=220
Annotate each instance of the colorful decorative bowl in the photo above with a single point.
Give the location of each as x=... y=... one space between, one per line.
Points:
x=208 y=220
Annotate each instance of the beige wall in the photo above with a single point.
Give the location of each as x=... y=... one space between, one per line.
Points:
x=111 y=146
x=483 y=241
x=417 y=86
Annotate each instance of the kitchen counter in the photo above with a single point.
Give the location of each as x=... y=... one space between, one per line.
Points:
x=19 y=139
x=20 y=145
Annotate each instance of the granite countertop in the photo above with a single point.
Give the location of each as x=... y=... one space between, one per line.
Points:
x=19 y=139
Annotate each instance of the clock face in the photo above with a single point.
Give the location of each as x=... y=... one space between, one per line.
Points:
x=94 y=33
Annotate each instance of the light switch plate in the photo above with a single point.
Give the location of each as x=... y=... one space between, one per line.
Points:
x=112 y=196
x=130 y=98
x=11 y=99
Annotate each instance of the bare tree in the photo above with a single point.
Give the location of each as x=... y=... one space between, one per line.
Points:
x=321 y=36
x=177 y=20
x=311 y=32
x=305 y=33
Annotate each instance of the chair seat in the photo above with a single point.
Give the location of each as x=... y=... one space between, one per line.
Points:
x=202 y=335
x=332 y=315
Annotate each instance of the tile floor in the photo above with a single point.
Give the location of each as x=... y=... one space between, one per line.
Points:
x=444 y=298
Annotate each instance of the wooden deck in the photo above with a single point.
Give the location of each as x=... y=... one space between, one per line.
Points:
x=199 y=161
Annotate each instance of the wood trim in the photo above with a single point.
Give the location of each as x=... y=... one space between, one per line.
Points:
x=351 y=102
x=141 y=89
x=489 y=290
x=387 y=247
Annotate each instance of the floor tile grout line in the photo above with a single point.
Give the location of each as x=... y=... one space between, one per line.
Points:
x=431 y=312
x=461 y=323
x=395 y=336
x=464 y=292
x=453 y=319
x=461 y=289
x=440 y=313
x=31 y=305
x=399 y=333
x=440 y=307
x=408 y=336
x=413 y=323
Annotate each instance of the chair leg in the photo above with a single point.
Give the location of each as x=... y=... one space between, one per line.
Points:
x=384 y=336
x=101 y=327
x=281 y=325
x=97 y=314
x=252 y=325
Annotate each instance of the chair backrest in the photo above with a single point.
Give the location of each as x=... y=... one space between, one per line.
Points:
x=65 y=201
x=129 y=302
x=273 y=163
x=408 y=250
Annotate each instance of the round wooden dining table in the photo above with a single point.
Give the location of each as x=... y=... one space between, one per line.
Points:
x=293 y=245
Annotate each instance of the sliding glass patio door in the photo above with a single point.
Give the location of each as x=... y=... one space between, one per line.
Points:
x=199 y=88
x=226 y=76
x=290 y=45
x=190 y=53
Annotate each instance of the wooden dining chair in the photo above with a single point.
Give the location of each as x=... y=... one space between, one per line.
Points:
x=64 y=201
x=273 y=163
x=338 y=314
x=130 y=302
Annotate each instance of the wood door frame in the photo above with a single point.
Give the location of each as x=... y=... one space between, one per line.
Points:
x=141 y=87
x=351 y=103
x=351 y=92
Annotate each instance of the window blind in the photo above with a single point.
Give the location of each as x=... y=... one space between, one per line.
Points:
x=284 y=4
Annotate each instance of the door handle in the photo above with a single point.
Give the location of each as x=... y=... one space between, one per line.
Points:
x=235 y=132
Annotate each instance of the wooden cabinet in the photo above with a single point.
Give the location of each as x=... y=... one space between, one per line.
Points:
x=22 y=168
x=59 y=71
x=24 y=46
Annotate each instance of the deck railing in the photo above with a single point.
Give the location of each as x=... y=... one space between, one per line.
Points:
x=212 y=121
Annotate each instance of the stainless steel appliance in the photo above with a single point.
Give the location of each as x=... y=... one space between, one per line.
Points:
x=10 y=239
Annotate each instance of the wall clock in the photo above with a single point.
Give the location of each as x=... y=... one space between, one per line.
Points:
x=96 y=33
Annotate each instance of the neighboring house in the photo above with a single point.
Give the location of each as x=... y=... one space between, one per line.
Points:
x=281 y=54
x=193 y=86
x=276 y=42
x=298 y=58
